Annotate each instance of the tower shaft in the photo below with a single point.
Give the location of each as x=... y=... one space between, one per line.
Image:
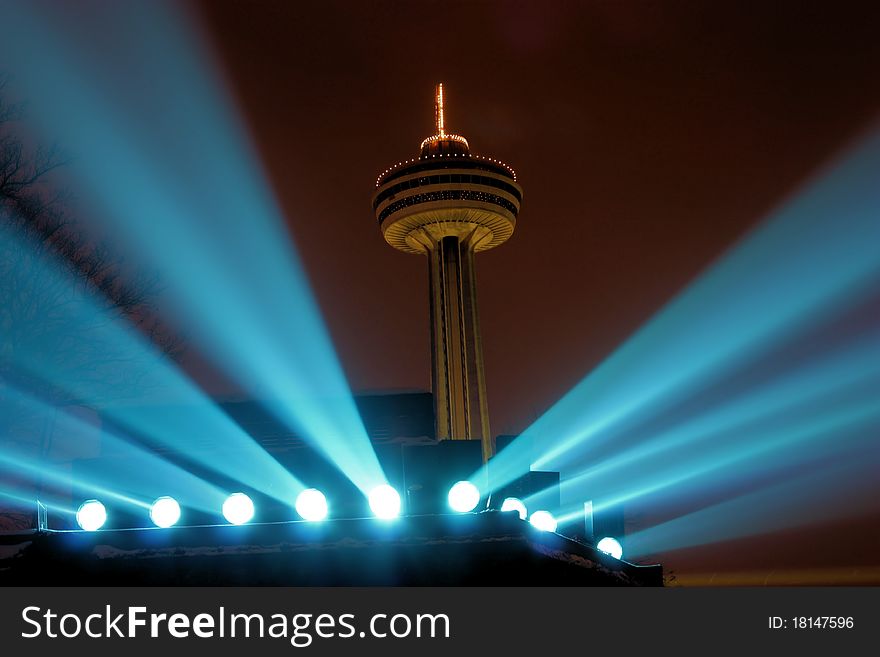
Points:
x=459 y=382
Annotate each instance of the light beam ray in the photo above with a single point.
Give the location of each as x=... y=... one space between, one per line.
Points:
x=807 y=436
x=809 y=259
x=813 y=382
x=791 y=444
x=139 y=474
x=165 y=166
x=86 y=316
x=830 y=493
x=37 y=471
x=30 y=503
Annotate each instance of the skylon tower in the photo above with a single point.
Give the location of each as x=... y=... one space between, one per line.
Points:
x=449 y=204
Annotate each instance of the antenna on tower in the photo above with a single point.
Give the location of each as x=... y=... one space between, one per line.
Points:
x=439 y=117
x=442 y=142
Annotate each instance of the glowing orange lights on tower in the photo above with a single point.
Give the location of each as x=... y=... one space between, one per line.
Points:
x=440 y=122
x=438 y=111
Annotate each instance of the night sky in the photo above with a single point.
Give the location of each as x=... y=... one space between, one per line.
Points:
x=647 y=137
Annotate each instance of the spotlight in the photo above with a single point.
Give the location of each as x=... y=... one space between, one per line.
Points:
x=610 y=546
x=543 y=521
x=311 y=505
x=515 y=504
x=91 y=515
x=165 y=512
x=384 y=502
x=238 y=509
x=464 y=497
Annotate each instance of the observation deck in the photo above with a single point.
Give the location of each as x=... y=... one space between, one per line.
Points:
x=447 y=192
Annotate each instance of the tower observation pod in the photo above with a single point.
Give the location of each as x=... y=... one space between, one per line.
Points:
x=449 y=205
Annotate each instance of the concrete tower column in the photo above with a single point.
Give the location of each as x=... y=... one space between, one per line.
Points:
x=459 y=380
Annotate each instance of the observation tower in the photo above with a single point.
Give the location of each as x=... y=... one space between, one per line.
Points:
x=449 y=204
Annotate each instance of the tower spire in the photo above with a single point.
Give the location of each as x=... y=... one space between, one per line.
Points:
x=439 y=115
x=442 y=142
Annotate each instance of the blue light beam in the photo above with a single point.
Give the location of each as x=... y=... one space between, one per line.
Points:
x=810 y=258
x=775 y=448
x=855 y=365
x=166 y=167
x=185 y=420
x=144 y=477
x=831 y=493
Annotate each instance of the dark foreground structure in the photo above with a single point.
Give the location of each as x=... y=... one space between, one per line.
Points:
x=485 y=549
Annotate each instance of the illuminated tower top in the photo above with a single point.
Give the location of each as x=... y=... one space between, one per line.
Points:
x=438 y=110
x=442 y=143
x=446 y=190
x=449 y=204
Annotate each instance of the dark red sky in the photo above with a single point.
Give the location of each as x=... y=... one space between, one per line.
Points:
x=647 y=137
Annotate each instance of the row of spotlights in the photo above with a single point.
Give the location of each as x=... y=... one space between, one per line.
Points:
x=238 y=508
x=164 y=512
x=311 y=505
x=540 y=520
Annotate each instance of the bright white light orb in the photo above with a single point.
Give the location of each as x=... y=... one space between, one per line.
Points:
x=238 y=509
x=311 y=505
x=165 y=512
x=515 y=504
x=91 y=515
x=610 y=546
x=543 y=521
x=464 y=497
x=384 y=502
